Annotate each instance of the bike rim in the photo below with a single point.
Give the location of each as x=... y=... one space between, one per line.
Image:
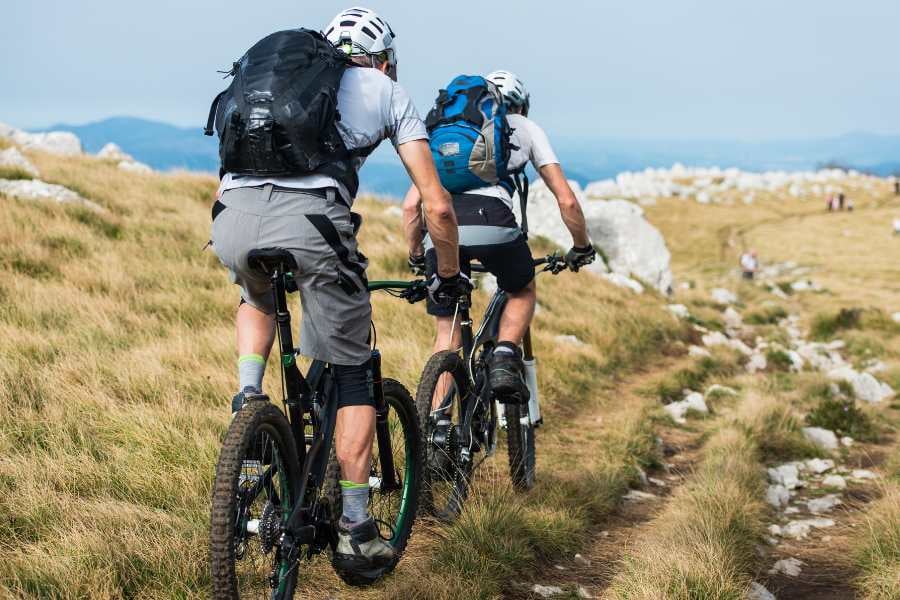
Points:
x=252 y=569
x=391 y=509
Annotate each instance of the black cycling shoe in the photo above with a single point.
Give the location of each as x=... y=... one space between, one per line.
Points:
x=507 y=378
x=244 y=396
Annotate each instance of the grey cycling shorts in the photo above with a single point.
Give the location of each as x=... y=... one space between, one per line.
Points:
x=318 y=230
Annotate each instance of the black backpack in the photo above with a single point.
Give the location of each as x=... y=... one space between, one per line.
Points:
x=278 y=117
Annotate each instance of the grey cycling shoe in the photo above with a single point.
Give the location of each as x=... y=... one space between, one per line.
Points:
x=361 y=554
x=244 y=396
x=507 y=378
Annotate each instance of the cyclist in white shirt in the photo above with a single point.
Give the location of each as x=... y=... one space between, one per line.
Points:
x=488 y=232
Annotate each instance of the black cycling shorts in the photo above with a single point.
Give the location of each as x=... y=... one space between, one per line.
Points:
x=488 y=233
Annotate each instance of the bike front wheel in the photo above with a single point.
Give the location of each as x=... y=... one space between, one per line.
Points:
x=440 y=404
x=255 y=488
x=520 y=444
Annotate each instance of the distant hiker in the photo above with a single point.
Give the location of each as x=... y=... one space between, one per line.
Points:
x=897 y=186
x=841 y=198
x=749 y=264
x=896 y=226
x=849 y=204
x=829 y=202
x=302 y=113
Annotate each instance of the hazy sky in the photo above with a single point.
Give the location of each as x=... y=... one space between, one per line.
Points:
x=639 y=68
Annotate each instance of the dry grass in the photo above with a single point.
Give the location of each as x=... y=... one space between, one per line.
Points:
x=702 y=545
x=118 y=365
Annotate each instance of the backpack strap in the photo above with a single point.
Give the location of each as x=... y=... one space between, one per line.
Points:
x=211 y=120
x=522 y=189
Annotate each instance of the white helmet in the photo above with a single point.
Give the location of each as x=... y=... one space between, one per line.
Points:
x=512 y=88
x=361 y=31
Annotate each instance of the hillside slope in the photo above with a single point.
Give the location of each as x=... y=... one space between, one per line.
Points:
x=117 y=368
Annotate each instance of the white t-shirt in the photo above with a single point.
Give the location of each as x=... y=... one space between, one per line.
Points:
x=533 y=147
x=748 y=262
x=373 y=108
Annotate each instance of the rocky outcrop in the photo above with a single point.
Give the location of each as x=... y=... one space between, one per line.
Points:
x=112 y=151
x=44 y=192
x=53 y=142
x=11 y=158
x=634 y=248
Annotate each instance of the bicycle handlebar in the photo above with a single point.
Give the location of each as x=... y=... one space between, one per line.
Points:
x=555 y=264
x=411 y=291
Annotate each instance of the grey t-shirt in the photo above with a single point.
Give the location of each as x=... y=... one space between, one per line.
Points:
x=533 y=147
x=373 y=108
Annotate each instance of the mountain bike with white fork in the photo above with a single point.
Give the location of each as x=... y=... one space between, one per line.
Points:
x=460 y=417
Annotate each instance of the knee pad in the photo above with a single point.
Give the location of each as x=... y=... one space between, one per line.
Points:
x=353 y=385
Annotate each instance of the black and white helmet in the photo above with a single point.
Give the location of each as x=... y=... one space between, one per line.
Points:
x=512 y=88
x=360 y=30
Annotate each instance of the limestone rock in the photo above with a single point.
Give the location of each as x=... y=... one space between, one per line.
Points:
x=679 y=310
x=758 y=592
x=546 y=591
x=133 y=166
x=834 y=481
x=821 y=437
x=13 y=159
x=53 y=142
x=824 y=504
x=787 y=566
x=570 y=340
x=723 y=296
x=679 y=409
x=634 y=247
x=112 y=151
x=777 y=495
x=819 y=465
x=41 y=191
x=865 y=386
x=787 y=475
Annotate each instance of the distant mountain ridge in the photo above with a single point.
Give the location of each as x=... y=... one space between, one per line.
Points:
x=164 y=146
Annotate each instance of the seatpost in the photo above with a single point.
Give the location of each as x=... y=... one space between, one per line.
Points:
x=527 y=353
x=382 y=431
x=294 y=383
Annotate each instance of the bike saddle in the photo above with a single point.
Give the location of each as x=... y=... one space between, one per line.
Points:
x=269 y=260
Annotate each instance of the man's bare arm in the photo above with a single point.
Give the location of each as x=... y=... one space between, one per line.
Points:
x=439 y=215
x=412 y=221
x=569 y=208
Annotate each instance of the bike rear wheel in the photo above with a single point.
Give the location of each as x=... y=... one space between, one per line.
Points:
x=394 y=510
x=448 y=472
x=520 y=445
x=255 y=488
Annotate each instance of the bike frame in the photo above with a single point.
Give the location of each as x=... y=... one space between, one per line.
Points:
x=311 y=405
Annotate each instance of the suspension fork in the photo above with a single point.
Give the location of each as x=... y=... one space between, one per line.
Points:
x=389 y=479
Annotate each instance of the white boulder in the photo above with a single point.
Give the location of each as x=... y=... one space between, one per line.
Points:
x=38 y=190
x=758 y=591
x=624 y=281
x=801 y=528
x=571 y=340
x=698 y=351
x=824 y=504
x=133 y=166
x=777 y=495
x=679 y=310
x=787 y=475
x=679 y=409
x=756 y=363
x=11 y=158
x=863 y=474
x=819 y=465
x=723 y=296
x=835 y=482
x=865 y=386
x=787 y=566
x=733 y=318
x=634 y=247
x=546 y=591
x=823 y=438
x=53 y=142
x=896 y=317
x=112 y=151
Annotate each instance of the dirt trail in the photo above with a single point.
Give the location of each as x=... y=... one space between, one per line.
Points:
x=828 y=568
x=609 y=539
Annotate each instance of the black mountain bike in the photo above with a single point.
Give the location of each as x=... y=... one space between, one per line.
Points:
x=276 y=494
x=468 y=416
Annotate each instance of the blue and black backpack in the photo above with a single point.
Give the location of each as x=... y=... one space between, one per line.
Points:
x=470 y=135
